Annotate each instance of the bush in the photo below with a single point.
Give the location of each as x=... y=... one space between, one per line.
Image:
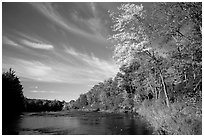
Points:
x=182 y=118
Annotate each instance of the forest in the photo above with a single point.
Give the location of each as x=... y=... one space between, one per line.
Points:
x=159 y=52
x=160 y=59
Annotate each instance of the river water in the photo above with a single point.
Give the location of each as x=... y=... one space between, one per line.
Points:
x=78 y=123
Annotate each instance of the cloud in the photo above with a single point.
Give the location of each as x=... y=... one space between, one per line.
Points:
x=80 y=68
x=93 y=8
x=96 y=23
x=33 y=70
x=42 y=91
x=96 y=26
x=96 y=66
x=71 y=51
x=37 y=69
x=37 y=45
x=8 y=41
x=50 y=11
x=93 y=24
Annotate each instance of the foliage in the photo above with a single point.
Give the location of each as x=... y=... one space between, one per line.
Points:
x=12 y=99
x=12 y=95
x=38 y=105
x=134 y=43
x=183 y=118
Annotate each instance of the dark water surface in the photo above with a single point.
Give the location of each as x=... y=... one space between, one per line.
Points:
x=79 y=123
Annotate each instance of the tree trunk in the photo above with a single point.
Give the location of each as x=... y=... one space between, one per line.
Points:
x=152 y=89
x=164 y=88
x=194 y=75
x=160 y=74
x=156 y=93
x=197 y=85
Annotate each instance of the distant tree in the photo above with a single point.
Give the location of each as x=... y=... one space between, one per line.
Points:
x=12 y=94
x=37 y=105
x=83 y=100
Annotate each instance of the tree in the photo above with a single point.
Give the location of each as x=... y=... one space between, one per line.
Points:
x=155 y=38
x=132 y=40
x=83 y=100
x=182 y=30
x=12 y=94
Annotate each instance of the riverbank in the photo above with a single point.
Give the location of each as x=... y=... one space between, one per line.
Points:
x=77 y=112
x=181 y=118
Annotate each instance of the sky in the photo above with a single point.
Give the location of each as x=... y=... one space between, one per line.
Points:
x=58 y=50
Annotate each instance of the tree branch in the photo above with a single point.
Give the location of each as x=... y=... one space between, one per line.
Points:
x=197 y=84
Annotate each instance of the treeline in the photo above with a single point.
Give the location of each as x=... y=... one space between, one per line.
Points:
x=105 y=95
x=129 y=89
x=38 y=105
x=14 y=102
x=114 y=94
x=159 y=51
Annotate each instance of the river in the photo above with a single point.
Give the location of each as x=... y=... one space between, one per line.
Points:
x=78 y=123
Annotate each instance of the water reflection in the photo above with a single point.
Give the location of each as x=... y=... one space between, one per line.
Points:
x=10 y=125
x=81 y=123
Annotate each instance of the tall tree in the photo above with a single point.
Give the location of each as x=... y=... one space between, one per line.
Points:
x=182 y=30
x=154 y=36
x=12 y=94
x=12 y=99
x=133 y=41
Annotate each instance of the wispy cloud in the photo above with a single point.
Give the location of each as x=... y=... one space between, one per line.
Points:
x=33 y=42
x=97 y=66
x=93 y=8
x=71 y=51
x=88 y=69
x=42 y=91
x=34 y=70
x=51 y=12
x=37 y=45
x=94 y=24
x=8 y=41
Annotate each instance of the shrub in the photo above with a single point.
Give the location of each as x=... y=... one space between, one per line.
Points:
x=181 y=118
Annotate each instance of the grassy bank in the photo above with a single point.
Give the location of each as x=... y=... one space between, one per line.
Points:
x=181 y=118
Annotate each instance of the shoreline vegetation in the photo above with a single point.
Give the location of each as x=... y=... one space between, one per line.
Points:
x=162 y=82
x=179 y=119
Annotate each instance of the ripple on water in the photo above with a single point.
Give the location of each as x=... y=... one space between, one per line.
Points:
x=82 y=123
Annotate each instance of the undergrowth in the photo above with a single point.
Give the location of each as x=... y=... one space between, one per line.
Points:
x=181 y=118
